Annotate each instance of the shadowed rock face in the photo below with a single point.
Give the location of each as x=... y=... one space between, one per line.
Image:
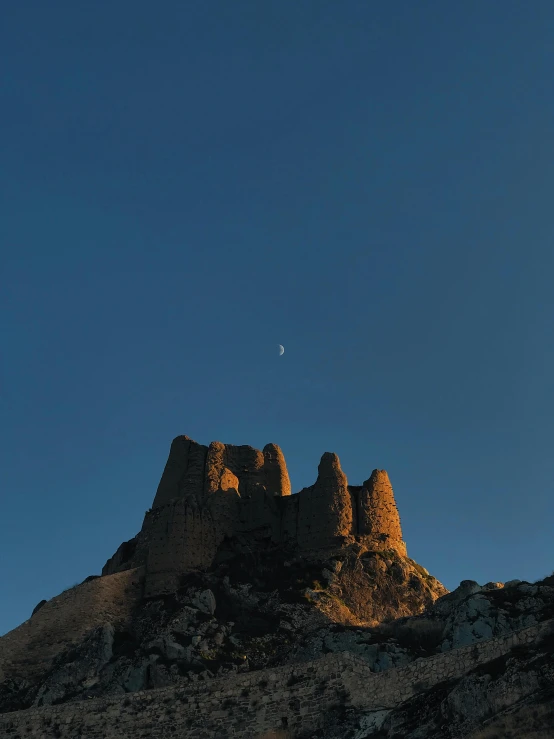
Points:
x=184 y=471
x=325 y=508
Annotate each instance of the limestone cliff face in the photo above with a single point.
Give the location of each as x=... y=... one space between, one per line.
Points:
x=208 y=494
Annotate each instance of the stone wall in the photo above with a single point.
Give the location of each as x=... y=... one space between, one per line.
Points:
x=293 y=697
x=245 y=706
x=389 y=688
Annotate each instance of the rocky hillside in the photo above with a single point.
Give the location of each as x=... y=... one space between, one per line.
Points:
x=250 y=611
x=511 y=697
x=231 y=575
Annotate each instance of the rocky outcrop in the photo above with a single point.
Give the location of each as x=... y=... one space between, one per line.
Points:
x=231 y=574
x=246 y=613
x=377 y=514
x=82 y=668
x=225 y=626
x=195 y=471
x=325 y=509
x=208 y=494
x=509 y=696
x=276 y=476
x=474 y=613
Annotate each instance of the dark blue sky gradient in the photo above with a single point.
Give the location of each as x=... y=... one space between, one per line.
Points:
x=184 y=186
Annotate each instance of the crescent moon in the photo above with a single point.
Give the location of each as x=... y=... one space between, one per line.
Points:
x=281 y=349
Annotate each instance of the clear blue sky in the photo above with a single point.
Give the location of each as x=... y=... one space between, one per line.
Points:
x=184 y=186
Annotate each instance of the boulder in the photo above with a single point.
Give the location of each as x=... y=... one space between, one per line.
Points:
x=445 y=605
x=205 y=602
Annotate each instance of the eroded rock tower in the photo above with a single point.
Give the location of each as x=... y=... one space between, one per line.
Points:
x=210 y=493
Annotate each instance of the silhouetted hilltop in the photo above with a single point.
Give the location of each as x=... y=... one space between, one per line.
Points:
x=210 y=494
